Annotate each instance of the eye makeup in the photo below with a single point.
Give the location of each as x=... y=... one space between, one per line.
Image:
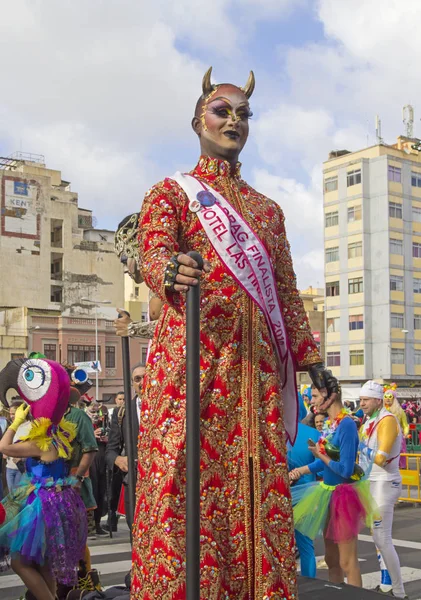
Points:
x=223 y=109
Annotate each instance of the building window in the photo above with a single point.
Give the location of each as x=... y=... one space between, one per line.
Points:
x=331 y=219
x=356 y=358
x=332 y=325
x=136 y=292
x=56 y=294
x=396 y=320
x=332 y=288
x=331 y=184
x=396 y=246
x=416 y=180
x=355 y=250
x=354 y=213
x=76 y=353
x=84 y=221
x=333 y=359
x=355 y=286
x=143 y=355
x=416 y=214
x=394 y=174
x=144 y=317
x=395 y=210
x=416 y=250
x=353 y=177
x=332 y=254
x=417 y=322
x=396 y=283
x=398 y=356
x=356 y=322
x=417 y=286
x=417 y=357
x=50 y=351
x=110 y=357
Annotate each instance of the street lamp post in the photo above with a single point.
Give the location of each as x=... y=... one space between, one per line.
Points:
x=96 y=303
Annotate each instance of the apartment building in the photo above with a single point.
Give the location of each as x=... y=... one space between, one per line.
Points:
x=372 y=242
x=61 y=280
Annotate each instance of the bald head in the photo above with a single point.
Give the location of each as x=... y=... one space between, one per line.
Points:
x=220 y=90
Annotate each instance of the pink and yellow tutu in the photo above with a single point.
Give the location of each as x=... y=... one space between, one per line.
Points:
x=339 y=511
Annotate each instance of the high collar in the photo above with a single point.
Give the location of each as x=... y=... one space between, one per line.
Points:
x=208 y=167
x=374 y=415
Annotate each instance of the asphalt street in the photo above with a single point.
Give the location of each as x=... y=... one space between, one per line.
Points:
x=112 y=557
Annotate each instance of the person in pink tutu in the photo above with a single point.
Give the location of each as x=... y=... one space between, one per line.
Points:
x=340 y=505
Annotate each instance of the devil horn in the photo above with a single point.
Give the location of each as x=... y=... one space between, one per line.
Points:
x=249 y=87
x=207 y=86
x=9 y=378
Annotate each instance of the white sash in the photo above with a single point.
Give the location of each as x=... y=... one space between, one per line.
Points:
x=247 y=260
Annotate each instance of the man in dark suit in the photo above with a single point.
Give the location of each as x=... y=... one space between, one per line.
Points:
x=115 y=455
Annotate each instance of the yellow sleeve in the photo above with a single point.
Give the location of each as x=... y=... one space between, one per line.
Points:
x=388 y=430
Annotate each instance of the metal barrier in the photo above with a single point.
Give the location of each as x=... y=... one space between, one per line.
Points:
x=411 y=477
x=413 y=441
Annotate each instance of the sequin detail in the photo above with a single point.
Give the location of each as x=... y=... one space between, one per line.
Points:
x=241 y=410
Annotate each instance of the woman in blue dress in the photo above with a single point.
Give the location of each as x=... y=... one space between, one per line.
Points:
x=339 y=506
x=43 y=521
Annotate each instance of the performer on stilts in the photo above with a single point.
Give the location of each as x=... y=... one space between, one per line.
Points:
x=340 y=506
x=254 y=331
x=43 y=521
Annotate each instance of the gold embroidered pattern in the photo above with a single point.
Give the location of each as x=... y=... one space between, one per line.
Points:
x=241 y=404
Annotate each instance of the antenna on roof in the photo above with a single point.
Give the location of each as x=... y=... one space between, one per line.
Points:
x=408 y=120
x=379 y=130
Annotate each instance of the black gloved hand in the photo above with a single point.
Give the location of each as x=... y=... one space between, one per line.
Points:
x=323 y=378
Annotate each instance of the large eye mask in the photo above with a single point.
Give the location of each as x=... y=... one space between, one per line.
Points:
x=34 y=379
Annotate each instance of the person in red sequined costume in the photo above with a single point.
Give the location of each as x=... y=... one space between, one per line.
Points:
x=247 y=539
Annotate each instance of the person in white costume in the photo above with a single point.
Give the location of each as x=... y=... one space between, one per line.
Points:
x=381 y=440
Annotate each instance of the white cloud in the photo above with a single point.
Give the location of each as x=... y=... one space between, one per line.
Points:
x=301 y=205
x=103 y=88
x=309 y=269
x=271 y=7
x=335 y=88
x=100 y=88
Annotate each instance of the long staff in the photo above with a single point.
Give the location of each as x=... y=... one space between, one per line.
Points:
x=193 y=438
x=130 y=428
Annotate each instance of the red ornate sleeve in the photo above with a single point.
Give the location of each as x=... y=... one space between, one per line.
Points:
x=158 y=238
x=296 y=322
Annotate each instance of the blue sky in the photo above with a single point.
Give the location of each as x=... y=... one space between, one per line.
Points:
x=105 y=90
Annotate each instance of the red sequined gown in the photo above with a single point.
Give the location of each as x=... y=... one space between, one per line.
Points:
x=247 y=543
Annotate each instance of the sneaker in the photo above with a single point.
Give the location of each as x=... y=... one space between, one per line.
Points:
x=100 y=531
x=388 y=593
x=379 y=590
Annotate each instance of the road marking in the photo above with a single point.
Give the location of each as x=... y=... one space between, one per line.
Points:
x=111 y=549
x=119 y=566
x=399 y=543
x=370 y=580
x=322 y=557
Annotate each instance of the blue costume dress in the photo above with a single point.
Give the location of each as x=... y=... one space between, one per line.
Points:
x=338 y=506
x=46 y=520
x=299 y=455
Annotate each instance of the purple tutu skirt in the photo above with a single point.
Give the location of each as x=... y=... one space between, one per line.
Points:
x=46 y=523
